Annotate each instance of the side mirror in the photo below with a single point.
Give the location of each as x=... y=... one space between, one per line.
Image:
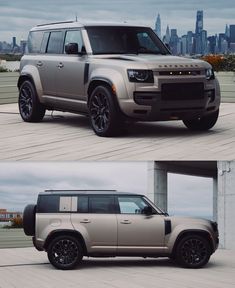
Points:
x=147 y=210
x=71 y=48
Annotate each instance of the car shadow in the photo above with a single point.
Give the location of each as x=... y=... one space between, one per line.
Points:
x=131 y=129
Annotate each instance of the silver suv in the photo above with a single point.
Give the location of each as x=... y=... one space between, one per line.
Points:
x=113 y=73
x=72 y=224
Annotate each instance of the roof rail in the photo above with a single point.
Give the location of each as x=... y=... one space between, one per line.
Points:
x=65 y=190
x=62 y=22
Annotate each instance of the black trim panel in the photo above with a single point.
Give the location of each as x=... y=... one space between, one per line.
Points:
x=167 y=227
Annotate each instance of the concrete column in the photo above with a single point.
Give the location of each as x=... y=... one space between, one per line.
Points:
x=157 y=184
x=215 y=199
x=226 y=203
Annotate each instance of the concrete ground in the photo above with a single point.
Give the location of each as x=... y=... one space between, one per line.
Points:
x=66 y=136
x=26 y=267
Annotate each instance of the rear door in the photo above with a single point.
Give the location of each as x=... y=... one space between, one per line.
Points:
x=138 y=233
x=51 y=50
x=96 y=220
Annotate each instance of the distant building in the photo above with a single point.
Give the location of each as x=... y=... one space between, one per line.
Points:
x=232 y=37
x=6 y=216
x=14 y=42
x=23 y=44
x=158 y=26
x=174 y=42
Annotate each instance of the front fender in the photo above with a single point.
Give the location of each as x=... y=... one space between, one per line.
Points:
x=180 y=229
x=113 y=77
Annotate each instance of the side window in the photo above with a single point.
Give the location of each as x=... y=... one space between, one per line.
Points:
x=131 y=205
x=55 y=42
x=44 y=42
x=34 y=41
x=82 y=204
x=48 y=204
x=101 y=204
x=74 y=36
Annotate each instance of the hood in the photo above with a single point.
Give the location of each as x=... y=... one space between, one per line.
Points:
x=189 y=220
x=158 y=61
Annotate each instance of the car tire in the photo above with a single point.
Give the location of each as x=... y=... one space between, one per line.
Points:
x=193 y=251
x=202 y=124
x=29 y=220
x=31 y=110
x=65 y=252
x=103 y=111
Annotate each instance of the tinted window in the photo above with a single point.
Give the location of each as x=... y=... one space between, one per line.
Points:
x=125 y=40
x=131 y=205
x=35 y=41
x=55 y=42
x=48 y=204
x=44 y=42
x=101 y=204
x=82 y=204
x=74 y=36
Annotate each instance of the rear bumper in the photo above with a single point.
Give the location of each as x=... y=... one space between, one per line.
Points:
x=37 y=245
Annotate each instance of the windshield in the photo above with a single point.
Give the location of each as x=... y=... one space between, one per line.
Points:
x=124 y=40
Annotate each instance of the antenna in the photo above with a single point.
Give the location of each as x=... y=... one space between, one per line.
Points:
x=76 y=17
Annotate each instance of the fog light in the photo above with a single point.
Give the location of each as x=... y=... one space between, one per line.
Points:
x=211 y=95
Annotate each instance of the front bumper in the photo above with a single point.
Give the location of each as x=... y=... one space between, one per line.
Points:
x=182 y=101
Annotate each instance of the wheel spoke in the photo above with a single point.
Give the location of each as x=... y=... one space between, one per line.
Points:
x=99 y=111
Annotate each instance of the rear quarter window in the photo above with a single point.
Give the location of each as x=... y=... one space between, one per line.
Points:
x=48 y=204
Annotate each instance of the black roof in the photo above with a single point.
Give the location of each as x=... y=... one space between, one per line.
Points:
x=79 y=192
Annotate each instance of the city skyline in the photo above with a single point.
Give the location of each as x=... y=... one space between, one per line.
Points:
x=195 y=42
x=16 y=21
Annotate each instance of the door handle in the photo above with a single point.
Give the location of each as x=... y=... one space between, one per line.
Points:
x=85 y=221
x=39 y=64
x=126 y=222
x=61 y=65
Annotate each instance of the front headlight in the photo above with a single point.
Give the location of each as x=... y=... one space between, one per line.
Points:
x=144 y=76
x=210 y=74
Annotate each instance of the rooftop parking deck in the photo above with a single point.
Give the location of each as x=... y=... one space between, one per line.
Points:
x=26 y=267
x=65 y=136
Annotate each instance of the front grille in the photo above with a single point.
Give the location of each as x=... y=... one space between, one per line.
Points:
x=182 y=91
x=179 y=73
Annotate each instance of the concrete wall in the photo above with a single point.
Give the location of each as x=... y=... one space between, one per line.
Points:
x=13 y=238
x=227 y=86
x=8 y=87
x=226 y=203
x=9 y=92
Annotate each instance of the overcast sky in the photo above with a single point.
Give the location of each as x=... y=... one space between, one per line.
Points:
x=18 y=16
x=20 y=183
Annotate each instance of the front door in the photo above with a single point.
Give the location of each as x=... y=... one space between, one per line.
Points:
x=70 y=70
x=138 y=233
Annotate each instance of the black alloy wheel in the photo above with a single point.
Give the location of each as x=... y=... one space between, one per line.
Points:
x=193 y=252
x=204 y=123
x=31 y=110
x=104 y=117
x=65 y=252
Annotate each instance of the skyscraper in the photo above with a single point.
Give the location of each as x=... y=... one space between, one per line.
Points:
x=199 y=22
x=168 y=35
x=198 y=33
x=232 y=33
x=158 y=26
